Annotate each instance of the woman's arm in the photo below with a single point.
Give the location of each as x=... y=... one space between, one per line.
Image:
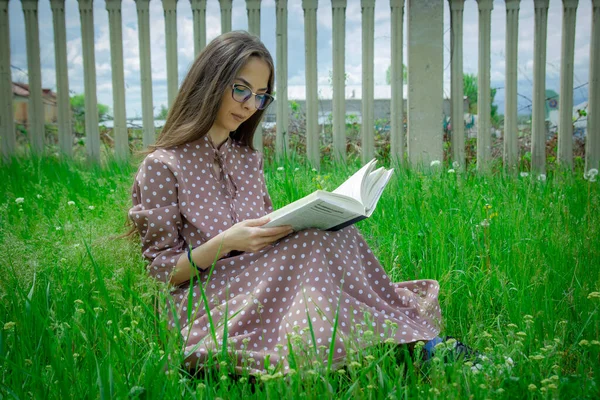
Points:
x=203 y=256
x=247 y=235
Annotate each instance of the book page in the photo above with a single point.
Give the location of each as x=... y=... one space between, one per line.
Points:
x=317 y=213
x=378 y=190
x=355 y=185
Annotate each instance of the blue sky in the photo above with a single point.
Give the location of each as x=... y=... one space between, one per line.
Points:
x=296 y=59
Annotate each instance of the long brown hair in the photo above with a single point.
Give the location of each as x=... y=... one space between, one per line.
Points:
x=195 y=108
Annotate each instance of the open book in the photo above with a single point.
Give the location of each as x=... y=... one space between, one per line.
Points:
x=353 y=201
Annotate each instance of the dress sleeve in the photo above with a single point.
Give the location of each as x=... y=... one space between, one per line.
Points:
x=265 y=191
x=156 y=215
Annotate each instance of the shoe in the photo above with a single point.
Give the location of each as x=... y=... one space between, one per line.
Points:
x=460 y=351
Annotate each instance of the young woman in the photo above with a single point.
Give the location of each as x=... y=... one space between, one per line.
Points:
x=202 y=186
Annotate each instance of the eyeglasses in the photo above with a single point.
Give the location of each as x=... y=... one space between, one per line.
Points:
x=241 y=94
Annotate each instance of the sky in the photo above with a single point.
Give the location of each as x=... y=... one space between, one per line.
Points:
x=296 y=59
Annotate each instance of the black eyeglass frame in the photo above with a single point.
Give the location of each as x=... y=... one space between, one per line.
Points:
x=267 y=96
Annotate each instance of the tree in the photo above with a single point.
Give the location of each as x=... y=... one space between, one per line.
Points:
x=470 y=91
x=162 y=114
x=388 y=74
x=78 y=108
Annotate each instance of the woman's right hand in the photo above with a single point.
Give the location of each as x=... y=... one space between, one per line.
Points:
x=250 y=236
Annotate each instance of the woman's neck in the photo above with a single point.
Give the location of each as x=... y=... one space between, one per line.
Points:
x=218 y=138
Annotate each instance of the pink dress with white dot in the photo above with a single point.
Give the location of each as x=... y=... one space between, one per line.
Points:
x=268 y=296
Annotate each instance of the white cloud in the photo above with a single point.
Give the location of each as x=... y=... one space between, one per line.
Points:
x=296 y=62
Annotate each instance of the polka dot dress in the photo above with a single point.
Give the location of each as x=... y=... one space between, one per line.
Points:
x=269 y=299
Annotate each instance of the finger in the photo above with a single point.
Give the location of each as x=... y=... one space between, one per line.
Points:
x=259 y=221
x=267 y=232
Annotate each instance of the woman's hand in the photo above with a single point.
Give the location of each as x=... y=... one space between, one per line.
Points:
x=250 y=236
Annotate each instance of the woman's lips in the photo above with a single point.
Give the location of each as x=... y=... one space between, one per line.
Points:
x=237 y=117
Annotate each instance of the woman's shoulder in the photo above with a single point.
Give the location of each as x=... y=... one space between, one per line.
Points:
x=247 y=153
x=160 y=159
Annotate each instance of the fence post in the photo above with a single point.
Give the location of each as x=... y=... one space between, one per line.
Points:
x=170 y=10
x=368 y=42
x=199 y=17
x=538 y=118
x=118 y=80
x=565 y=130
x=339 y=75
x=511 y=130
x=92 y=133
x=282 y=138
x=312 y=101
x=456 y=85
x=484 y=101
x=225 y=15
x=592 y=150
x=253 y=8
x=7 y=126
x=397 y=143
x=425 y=81
x=143 y=15
x=35 y=113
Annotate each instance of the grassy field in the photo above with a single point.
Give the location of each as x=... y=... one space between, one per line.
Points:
x=518 y=260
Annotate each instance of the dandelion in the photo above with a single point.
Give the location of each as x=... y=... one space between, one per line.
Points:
x=71 y=202
x=451 y=171
x=19 y=200
x=91 y=208
x=541 y=177
x=594 y=295
x=9 y=325
x=591 y=174
x=279 y=168
x=532 y=387
x=435 y=163
x=455 y=164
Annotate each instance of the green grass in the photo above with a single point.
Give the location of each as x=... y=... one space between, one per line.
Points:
x=77 y=313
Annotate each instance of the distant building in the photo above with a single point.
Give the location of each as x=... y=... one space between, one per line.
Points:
x=21 y=104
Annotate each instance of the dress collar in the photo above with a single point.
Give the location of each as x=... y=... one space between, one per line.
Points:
x=223 y=147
